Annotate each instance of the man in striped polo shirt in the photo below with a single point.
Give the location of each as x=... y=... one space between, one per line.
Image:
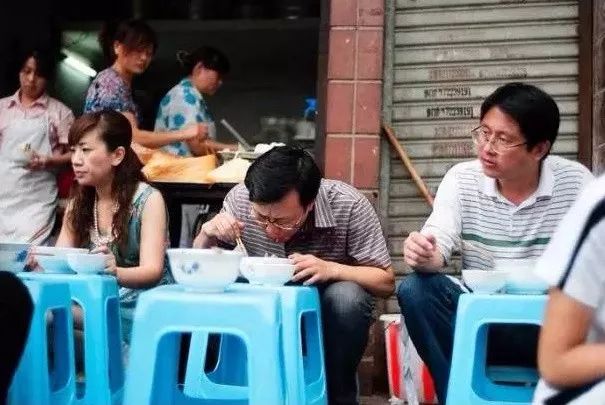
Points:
x=506 y=203
x=333 y=236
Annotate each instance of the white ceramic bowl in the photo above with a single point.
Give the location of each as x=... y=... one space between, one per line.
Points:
x=521 y=277
x=272 y=271
x=209 y=270
x=13 y=256
x=484 y=281
x=86 y=263
x=54 y=259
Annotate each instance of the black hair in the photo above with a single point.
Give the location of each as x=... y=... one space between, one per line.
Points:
x=533 y=110
x=46 y=62
x=281 y=170
x=134 y=34
x=211 y=58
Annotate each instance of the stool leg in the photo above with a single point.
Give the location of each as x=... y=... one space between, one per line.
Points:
x=261 y=393
x=313 y=363
x=34 y=358
x=115 y=366
x=95 y=355
x=63 y=389
x=294 y=363
x=461 y=383
x=156 y=353
x=195 y=365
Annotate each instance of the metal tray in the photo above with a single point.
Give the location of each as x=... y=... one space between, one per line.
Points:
x=228 y=155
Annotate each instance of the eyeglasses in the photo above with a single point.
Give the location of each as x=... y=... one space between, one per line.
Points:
x=499 y=145
x=265 y=221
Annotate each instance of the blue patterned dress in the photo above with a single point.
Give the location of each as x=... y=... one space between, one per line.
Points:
x=181 y=106
x=130 y=258
x=108 y=91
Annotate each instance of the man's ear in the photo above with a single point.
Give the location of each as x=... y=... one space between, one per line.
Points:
x=541 y=149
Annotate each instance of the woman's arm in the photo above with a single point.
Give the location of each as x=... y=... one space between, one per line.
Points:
x=564 y=357
x=59 y=158
x=152 y=246
x=155 y=140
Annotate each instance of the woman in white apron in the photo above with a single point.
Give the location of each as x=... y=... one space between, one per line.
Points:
x=33 y=145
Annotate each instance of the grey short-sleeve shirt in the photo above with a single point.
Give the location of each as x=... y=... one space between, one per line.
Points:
x=342 y=227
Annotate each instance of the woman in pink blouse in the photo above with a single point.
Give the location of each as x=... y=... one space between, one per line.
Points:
x=33 y=146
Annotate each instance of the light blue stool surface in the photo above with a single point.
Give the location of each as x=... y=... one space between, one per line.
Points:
x=34 y=383
x=469 y=381
x=98 y=297
x=165 y=312
x=304 y=372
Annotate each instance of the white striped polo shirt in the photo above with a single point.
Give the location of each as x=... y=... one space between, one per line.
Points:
x=342 y=227
x=468 y=206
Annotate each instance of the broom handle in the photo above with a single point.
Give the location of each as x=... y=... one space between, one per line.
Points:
x=408 y=164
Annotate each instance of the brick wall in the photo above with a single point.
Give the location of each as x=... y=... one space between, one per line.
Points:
x=350 y=89
x=354 y=91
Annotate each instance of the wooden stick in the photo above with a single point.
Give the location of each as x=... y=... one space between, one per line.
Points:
x=239 y=242
x=408 y=164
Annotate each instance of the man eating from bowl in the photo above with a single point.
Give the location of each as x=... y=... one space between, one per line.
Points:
x=330 y=232
x=504 y=205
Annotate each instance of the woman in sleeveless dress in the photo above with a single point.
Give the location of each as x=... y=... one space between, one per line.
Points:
x=113 y=210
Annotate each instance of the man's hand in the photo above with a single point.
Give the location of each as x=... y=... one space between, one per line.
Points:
x=419 y=250
x=313 y=269
x=223 y=226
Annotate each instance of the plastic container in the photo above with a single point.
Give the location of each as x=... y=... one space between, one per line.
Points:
x=310 y=109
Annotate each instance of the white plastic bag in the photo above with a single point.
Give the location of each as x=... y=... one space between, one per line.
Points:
x=409 y=379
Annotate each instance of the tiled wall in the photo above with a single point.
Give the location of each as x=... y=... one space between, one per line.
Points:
x=350 y=86
x=354 y=91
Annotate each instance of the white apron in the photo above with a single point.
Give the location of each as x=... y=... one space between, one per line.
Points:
x=28 y=198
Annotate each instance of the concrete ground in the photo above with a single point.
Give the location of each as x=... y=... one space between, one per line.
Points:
x=375 y=400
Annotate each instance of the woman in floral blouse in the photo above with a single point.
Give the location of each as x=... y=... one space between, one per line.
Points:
x=130 y=47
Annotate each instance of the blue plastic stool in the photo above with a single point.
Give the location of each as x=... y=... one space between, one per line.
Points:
x=98 y=297
x=304 y=372
x=33 y=382
x=165 y=312
x=469 y=381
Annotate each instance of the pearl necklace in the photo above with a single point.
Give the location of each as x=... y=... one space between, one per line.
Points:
x=96 y=237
